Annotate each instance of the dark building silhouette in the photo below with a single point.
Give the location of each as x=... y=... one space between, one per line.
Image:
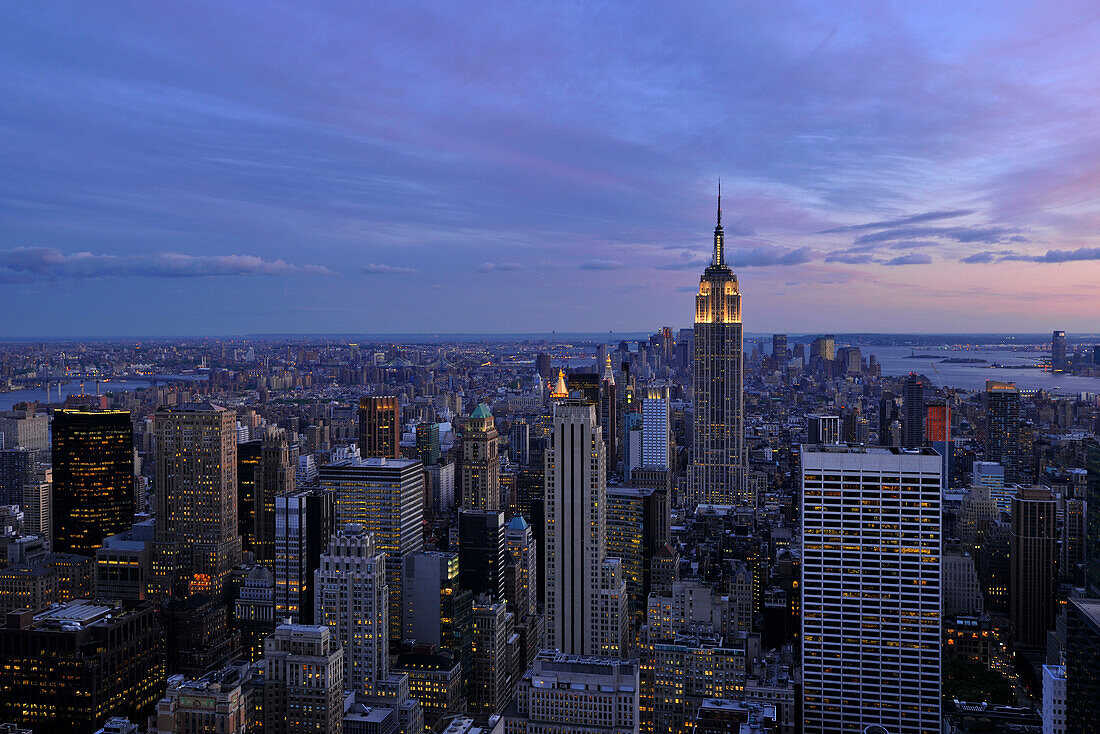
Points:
x=912 y=425
x=1034 y=563
x=1002 y=426
x=1082 y=671
x=481 y=552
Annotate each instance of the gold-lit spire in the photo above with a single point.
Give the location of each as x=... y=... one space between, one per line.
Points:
x=560 y=390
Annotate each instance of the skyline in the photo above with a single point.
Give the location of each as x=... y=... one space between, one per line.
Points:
x=547 y=168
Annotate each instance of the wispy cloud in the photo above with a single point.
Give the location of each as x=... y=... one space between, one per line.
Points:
x=988 y=234
x=915 y=258
x=901 y=221
x=600 y=265
x=850 y=258
x=48 y=262
x=1059 y=256
x=488 y=267
x=379 y=269
x=759 y=257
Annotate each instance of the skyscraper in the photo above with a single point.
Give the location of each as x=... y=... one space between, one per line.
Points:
x=1033 y=553
x=274 y=475
x=779 y=348
x=480 y=462
x=379 y=427
x=352 y=600
x=586 y=598
x=1002 y=426
x=304 y=520
x=1058 y=361
x=719 y=460
x=427 y=443
x=303 y=681
x=385 y=497
x=196 y=543
x=93 y=473
x=491 y=682
x=656 y=429
x=871 y=589
x=912 y=424
x=481 y=552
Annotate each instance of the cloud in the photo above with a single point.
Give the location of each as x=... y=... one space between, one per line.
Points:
x=684 y=265
x=377 y=269
x=989 y=234
x=1059 y=256
x=600 y=265
x=493 y=267
x=979 y=257
x=759 y=257
x=915 y=258
x=48 y=262
x=891 y=223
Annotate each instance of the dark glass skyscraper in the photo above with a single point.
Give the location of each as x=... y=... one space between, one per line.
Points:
x=718 y=461
x=912 y=427
x=1002 y=427
x=1058 y=360
x=93 y=474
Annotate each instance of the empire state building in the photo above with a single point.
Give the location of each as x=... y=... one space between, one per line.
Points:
x=719 y=457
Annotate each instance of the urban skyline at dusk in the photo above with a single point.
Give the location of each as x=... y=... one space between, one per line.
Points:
x=925 y=168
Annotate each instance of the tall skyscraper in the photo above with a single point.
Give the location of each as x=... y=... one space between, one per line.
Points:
x=779 y=348
x=887 y=418
x=1092 y=519
x=656 y=429
x=385 y=497
x=1033 y=553
x=519 y=539
x=1002 y=427
x=586 y=600
x=1082 y=674
x=1058 y=361
x=609 y=413
x=480 y=462
x=937 y=431
x=352 y=600
x=379 y=427
x=427 y=443
x=248 y=459
x=912 y=424
x=875 y=662
x=274 y=476
x=93 y=473
x=491 y=682
x=304 y=521
x=196 y=545
x=436 y=608
x=719 y=458
x=481 y=552
x=303 y=681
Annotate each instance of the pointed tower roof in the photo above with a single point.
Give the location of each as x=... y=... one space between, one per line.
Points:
x=517 y=523
x=719 y=237
x=560 y=390
x=608 y=374
x=481 y=411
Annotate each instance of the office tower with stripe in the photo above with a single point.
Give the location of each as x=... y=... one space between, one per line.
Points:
x=586 y=600
x=718 y=465
x=871 y=591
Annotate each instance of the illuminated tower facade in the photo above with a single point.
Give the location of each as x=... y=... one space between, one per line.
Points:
x=93 y=474
x=480 y=462
x=379 y=427
x=196 y=545
x=719 y=459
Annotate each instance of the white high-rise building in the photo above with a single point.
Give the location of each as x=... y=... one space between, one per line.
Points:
x=1054 y=699
x=656 y=428
x=352 y=600
x=871 y=594
x=520 y=542
x=586 y=602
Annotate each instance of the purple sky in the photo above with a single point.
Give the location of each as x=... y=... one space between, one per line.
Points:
x=228 y=167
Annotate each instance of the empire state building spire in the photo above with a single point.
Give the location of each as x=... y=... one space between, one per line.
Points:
x=719 y=462
x=719 y=237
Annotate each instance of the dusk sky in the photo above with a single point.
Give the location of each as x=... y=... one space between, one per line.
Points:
x=367 y=167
